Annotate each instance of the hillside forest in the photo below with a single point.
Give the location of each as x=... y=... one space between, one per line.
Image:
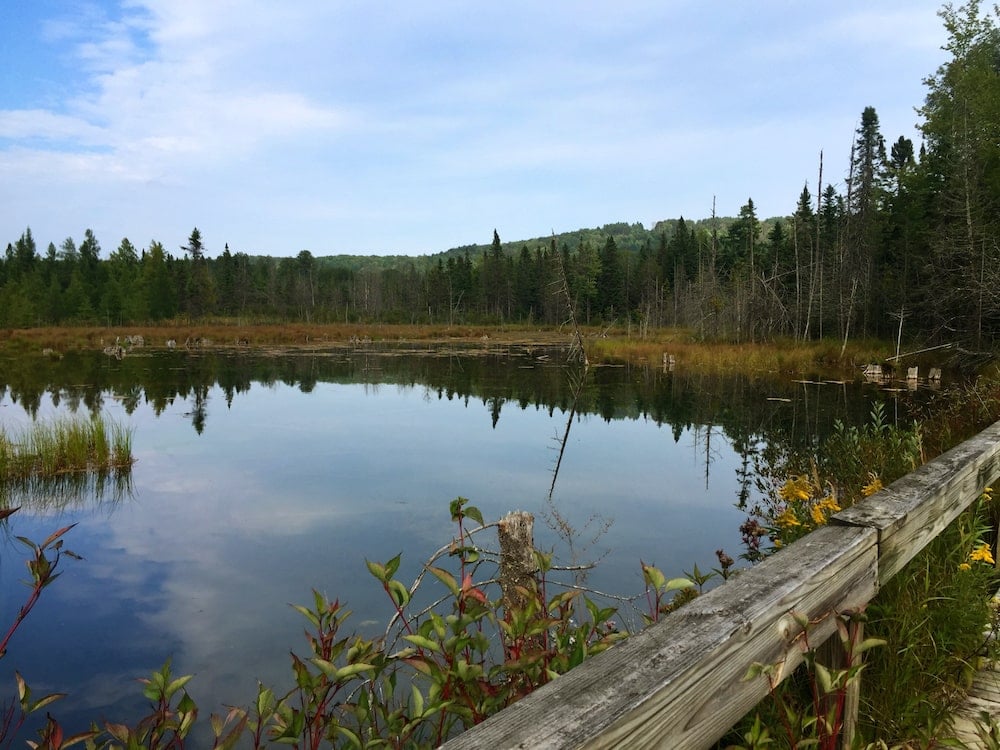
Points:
x=897 y=237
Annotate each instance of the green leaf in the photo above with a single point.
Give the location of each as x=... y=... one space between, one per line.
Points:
x=339 y=674
x=377 y=570
x=119 y=731
x=678 y=583
x=446 y=578
x=26 y=542
x=824 y=678
x=351 y=670
x=422 y=642
x=419 y=664
x=400 y=594
x=653 y=576
x=265 y=700
x=76 y=739
x=467 y=671
x=307 y=613
x=233 y=736
x=393 y=565
x=176 y=685
x=472 y=512
x=151 y=691
x=43 y=702
x=351 y=736
x=868 y=643
x=418 y=701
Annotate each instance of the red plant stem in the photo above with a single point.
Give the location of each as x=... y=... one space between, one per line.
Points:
x=399 y=611
x=445 y=695
x=781 y=711
x=22 y=613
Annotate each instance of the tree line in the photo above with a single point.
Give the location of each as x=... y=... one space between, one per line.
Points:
x=905 y=242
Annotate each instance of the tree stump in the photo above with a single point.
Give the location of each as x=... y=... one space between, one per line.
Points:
x=517 y=558
x=518 y=581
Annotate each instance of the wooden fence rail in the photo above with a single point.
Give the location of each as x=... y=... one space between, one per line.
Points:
x=679 y=684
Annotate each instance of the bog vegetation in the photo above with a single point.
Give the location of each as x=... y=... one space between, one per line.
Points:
x=47 y=450
x=887 y=237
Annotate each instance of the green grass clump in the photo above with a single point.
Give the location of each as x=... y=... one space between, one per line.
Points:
x=64 y=446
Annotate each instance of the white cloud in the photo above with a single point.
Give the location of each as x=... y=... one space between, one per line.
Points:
x=365 y=111
x=42 y=124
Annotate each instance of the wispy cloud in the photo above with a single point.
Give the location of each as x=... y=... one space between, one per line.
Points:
x=438 y=121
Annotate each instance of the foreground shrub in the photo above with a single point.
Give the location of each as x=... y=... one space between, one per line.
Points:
x=931 y=616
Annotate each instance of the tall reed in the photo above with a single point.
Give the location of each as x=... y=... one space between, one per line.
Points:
x=64 y=445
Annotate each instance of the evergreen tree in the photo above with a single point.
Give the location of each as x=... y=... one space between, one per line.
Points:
x=866 y=193
x=961 y=130
x=154 y=280
x=611 y=282
x=199 y=291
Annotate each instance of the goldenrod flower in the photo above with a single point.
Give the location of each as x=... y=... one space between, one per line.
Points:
x=787 y=519
x=796 y=488
x=818 y=516
x=873 y=486
x=982 y=553
x=965 y=566
x=829 y=504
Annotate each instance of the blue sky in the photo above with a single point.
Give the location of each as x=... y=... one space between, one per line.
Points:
x=367 y=127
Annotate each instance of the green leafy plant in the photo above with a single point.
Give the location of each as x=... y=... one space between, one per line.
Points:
x=42 y=567
x=936 y=617
x=437 y=670
x=931 y=615
x=814 y=717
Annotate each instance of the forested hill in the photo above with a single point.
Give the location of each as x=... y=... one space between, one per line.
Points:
x=630 y=238
x=911 y=240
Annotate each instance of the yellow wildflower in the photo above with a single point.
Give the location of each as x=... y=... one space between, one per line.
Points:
x=778 y=544
x=796 y=488
x=818 y=516
x=829 y=504
x=982 y=553
x=965 y=566
x=787 y=519
x=873 y=486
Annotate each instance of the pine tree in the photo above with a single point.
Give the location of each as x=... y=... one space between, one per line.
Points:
x=961 y=130
x=611 y=282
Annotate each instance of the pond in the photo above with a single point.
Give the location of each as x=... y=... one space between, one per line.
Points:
x=260 y=477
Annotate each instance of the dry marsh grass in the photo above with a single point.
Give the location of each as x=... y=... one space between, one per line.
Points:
x=778 y=357
x=603 y=345
x=224 y=334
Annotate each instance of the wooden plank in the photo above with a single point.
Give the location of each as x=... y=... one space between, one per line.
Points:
x=679 y=684
x=910 y=512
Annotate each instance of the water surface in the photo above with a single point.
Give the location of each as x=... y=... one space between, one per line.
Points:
x=260 y=478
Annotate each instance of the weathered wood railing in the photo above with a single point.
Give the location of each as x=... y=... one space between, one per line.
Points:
x=679 y=684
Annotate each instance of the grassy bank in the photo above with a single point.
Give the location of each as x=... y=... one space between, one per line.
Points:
x=603 y=344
